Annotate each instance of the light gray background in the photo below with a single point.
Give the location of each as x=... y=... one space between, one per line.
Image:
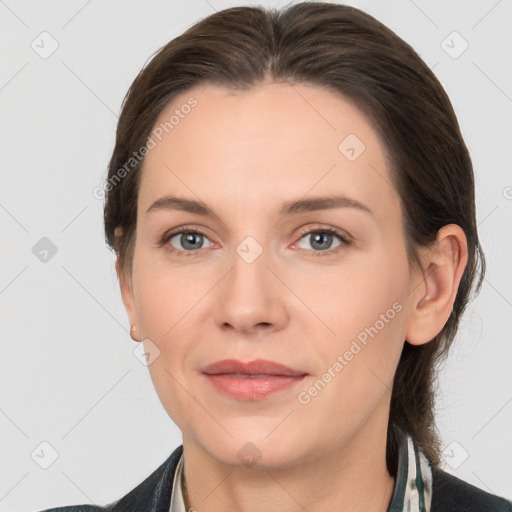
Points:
x=68 y=373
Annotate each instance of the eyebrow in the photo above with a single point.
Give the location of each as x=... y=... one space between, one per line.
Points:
x=288 y=208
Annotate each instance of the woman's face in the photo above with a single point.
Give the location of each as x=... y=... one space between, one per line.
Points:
x=273 y=168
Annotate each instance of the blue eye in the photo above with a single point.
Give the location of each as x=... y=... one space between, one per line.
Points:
x=190 y=240
x=321 y=240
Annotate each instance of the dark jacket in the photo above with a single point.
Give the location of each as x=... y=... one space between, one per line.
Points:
x=449 y=494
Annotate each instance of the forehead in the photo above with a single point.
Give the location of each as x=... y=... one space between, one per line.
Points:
x=264 y=145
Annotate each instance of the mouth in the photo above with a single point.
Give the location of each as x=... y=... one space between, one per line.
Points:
x=257 y=367
x=247 y=376
x=254 y=380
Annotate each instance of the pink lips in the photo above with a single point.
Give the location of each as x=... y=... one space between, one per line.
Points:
x=253 y=380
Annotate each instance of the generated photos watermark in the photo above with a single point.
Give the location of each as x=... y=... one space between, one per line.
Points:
x=342 y=360
x=156 y=136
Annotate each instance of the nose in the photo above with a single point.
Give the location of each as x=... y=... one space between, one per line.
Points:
x=251 y=298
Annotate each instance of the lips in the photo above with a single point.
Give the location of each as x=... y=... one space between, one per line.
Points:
x=254 y=380
x=250 y=369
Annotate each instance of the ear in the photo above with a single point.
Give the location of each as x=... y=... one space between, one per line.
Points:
x=126 y=287
x=432 y=301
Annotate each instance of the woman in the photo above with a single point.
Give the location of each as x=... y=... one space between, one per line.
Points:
x=292 y=207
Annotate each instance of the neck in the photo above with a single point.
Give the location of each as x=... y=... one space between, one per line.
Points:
x=353 y=477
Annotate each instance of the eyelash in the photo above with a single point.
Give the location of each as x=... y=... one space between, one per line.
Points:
x=345 y=241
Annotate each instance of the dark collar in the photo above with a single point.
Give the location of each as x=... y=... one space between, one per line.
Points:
x=154 y=493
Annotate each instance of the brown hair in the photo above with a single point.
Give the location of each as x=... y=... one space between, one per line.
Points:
x=352 y=54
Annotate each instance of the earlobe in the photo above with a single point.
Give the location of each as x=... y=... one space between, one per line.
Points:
x=432 y=301
x=126 y=288
x=133 y=333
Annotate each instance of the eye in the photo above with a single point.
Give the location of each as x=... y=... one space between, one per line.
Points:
x=185 y=241
x=322 y=239
x=188 y=241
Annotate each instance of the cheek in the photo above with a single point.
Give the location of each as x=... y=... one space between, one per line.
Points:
x=167 y=318
x=168 y=309
x=351 y=298
x=358 y=363
x=164 y=298
x=365 y=311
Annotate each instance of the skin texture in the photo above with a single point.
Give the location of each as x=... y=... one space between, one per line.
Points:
x=244 y=154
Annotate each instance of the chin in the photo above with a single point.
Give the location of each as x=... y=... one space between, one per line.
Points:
x=253 y=448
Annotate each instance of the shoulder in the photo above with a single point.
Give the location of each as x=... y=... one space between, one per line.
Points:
x=152 y=495
x=451 y=494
